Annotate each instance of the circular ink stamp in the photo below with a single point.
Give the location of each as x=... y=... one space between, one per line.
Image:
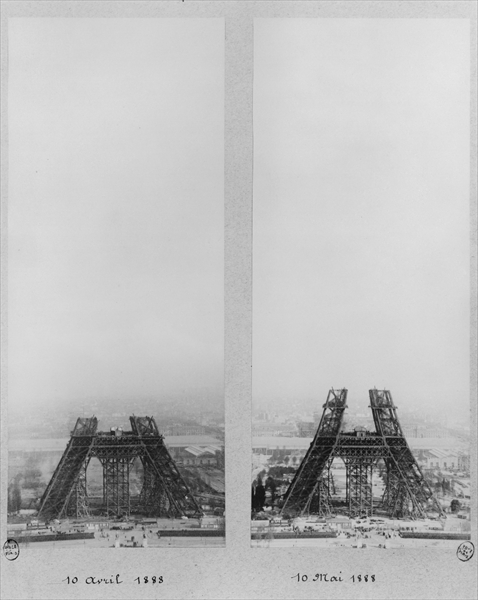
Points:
x=11 y=549
x=465 y=551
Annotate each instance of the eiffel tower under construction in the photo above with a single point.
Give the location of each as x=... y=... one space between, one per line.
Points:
x=164 y=492
x=407 y=494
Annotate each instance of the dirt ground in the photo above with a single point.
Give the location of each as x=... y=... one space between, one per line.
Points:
x=109 y=538
x=374 y=542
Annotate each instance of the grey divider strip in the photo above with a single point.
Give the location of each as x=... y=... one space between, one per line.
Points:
x=238 y=275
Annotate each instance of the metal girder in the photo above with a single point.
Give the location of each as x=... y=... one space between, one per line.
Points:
x=359 y=486
x=56 y=498
x=164 y=491
x=167 y=488
x=116 y=496
x=308 y=479
x=406 y=494
x=144 y=426
x=319 y=501
x=78 y=503
x=384 y=413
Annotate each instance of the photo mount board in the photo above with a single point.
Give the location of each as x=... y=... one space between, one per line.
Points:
x=237 y=571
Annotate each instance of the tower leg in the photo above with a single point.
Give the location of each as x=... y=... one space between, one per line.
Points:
x=78 y=504
x=319 y=502
x=154 y=499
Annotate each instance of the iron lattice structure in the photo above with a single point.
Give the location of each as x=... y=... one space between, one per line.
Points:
x=164 y=492
x=407 y=494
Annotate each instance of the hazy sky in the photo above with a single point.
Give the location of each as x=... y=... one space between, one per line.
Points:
x=115 y=213
x=361 y=209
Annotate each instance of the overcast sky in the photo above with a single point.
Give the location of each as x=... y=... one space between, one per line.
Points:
x=115 y=213
x=361 y=209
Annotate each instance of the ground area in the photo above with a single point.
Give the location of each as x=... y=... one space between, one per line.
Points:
x=125 y=542
x=161 y=532
x=375 y=542
x=165 y=534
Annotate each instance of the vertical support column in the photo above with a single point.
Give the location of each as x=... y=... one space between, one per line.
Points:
x=116 y=497
x=359 y=487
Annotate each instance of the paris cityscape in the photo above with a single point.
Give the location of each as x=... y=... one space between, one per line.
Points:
x=381 y=478
x=117 y=501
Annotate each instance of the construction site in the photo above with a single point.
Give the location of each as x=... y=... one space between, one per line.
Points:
x=353 y=484
x=110 y=485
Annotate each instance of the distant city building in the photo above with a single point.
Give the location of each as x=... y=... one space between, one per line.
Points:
x=183 y=430
x=51 y=449
x=279 y=429
x=418 y=431
x=266 y=444
x=441 y=459
x=306 y=428
x=463 y=461
x=196 y=456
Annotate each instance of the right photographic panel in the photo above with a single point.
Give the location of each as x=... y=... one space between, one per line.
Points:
x=361 y=285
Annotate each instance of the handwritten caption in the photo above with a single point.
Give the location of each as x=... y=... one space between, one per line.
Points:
x=115 y=580
x=328 y=578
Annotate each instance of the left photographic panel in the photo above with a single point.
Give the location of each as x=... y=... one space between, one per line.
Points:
x=115 y=282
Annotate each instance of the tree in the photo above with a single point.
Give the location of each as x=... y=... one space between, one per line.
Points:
x=259 y=494
x=455 y=505
x=14 y=496
x=32 y=478
x=271 y=485
x=260 y=497
x=220 y=459
x=275 y=455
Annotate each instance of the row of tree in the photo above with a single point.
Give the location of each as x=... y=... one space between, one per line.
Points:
x=31 y=479
x=14 y=500
x=259 y=490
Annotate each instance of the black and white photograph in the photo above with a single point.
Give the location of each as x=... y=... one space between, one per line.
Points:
x=115 y=283
x=238 y=296
x=361 y=283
